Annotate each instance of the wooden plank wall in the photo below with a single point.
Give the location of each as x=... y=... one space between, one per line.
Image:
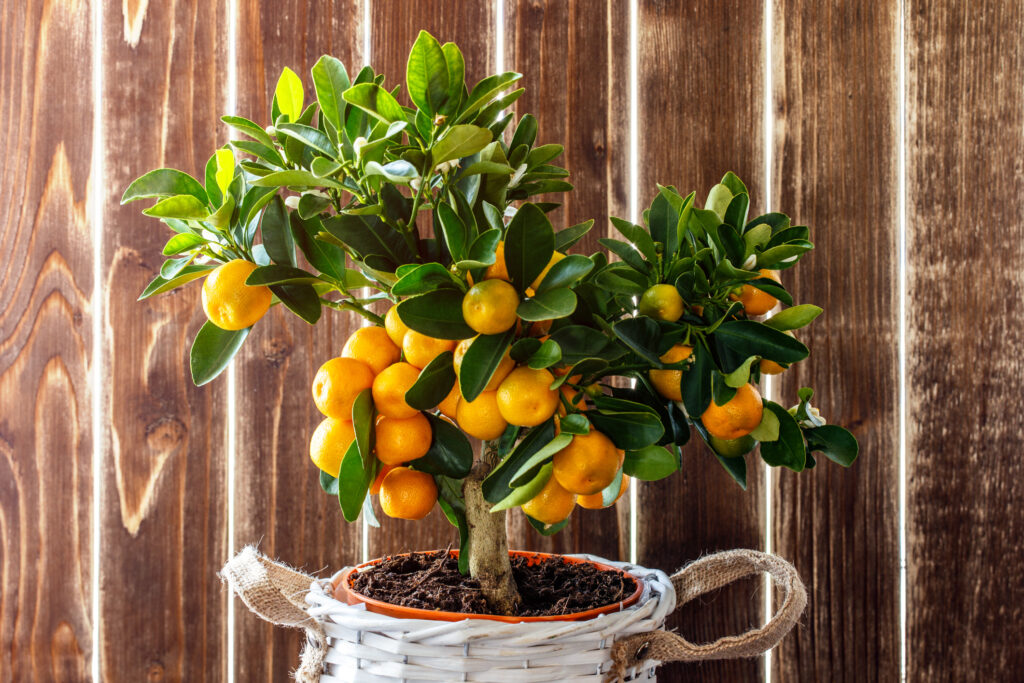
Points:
x=834 y=151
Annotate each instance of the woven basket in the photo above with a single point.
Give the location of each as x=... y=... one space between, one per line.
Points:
x=364 y=647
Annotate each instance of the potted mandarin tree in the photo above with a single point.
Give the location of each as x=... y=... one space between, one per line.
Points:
x=482 y=379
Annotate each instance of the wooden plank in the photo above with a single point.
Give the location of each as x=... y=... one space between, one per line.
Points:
x=279 y=503
x=164 y=506
x=574 y=59
x=835 y=169
x=965 y=205
x=701 y=83
x=394 y=26
x=46 y=284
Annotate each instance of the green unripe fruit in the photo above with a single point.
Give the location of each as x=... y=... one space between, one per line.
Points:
x=733 y=448
x=661 y=302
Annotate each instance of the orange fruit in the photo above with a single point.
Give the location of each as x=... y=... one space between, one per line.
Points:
x=552 y=504
x=394 y=326
x=228 y=302
x=497 y=270
x=661 y=302
x=337 y=384
x=407 y=494
x=501 y=372
x=330 y=442
x=588 y=464
x=756 y=302
x=401 y=439
x=594 y=500
x=738 y=417
x=668 y=383
x=555 y=258
x=451 y=402
x=480 y=418
x=489 y=307
x=373 y=346
x=569 y=394
x=770 y=367
x=389 y=389
x=375 y=486
x=420 y=349
x=525 y=397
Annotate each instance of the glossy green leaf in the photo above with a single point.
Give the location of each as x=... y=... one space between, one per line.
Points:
x=436 y=314
x=434 y=383
x=328 y=483
x=310 y=137
x=294 y=179
x=398 y=171
x=183 y=206
x=696 y=382
x=212 y=350
x=302 y=300
x=460 y=141
x=547 y=355
x=793 y=318
x=481 y=360
x=566 y=272
x=375 y=101
x=280 y=275
x=353 y=483
x=526 y=492
x=788 y=450
x=277 y=234
x=456 y=235
x=422 y=279
x=741 y=375
x=182 y=242
x=838 y=444
x=628 y=431
x=528 y=469
x=564 y=239
x=330 y=80
x=187 y=274
x=484 y=91
x=496 y=485
x=363 y=421
x=737 y=340
x=288 y=94
x=574 y=423
x=450 y=452
x=550 y=305
x=164 y=182
x=547 y=529
x=456 y=67
x=426 y=74
x=529 y=244
x=768 y=429
x=482 y=252
x=247 y=127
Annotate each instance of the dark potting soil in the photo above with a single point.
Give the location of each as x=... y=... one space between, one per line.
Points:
x=432 y=581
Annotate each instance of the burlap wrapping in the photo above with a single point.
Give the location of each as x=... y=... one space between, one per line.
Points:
x=276 y=593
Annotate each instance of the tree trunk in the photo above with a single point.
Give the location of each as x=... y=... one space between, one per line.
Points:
x=488 y=540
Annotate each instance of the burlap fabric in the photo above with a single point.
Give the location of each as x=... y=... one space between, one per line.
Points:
x=276 y=593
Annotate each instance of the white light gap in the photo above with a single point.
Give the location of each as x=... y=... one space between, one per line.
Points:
x=901 y=169
x=94 y=199
x=232 y=380
x=499 y=36
x=634 y=171
x=768 y=132
x=367 y=36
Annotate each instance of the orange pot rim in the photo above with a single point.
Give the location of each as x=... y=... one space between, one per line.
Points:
x=344 y=592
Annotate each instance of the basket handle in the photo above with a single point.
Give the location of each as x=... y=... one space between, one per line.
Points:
x=707 y=574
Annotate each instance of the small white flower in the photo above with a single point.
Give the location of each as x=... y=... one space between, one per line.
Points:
x=415 y=184
x=814 y=417
x=291 y=202
x=271 y=131
x=358 y=145
x=446 y=166
x=750 y=262
x=517 y=176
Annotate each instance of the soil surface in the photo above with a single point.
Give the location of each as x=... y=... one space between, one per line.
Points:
x=432 y=581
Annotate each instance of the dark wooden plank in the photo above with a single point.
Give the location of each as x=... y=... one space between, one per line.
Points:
x=394 y=26
x=164 y=506
x=965 y=205
x=574 y=58
x=46 y=285
x=278 y=501
x=700 y=68
x=835 y=151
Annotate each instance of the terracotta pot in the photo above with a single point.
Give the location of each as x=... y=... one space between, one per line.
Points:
x=344 y=591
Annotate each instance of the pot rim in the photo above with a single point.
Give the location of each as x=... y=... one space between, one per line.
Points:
x=343 y=592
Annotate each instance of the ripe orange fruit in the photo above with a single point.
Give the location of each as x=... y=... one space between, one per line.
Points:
x=229 y=303
x=373 y=346
x=375 y=486
x=770 y=367
x=594 y=501
x=451 y=402
x=738 y=417
x=420 y=349
x=588 y=464
x=389 y=389
x=668 y=382
x=569 y=394
x=497 y=270
x=525 y=397
x=407 y=494
x=330 y=442
x=756 y=302
x=401 y=439
x=489 y=307
x=394 y=326
x=480 y=418
x=337 y=384
x=552 y=504
x=555 y=258
x=501 y=372
x=661 y=302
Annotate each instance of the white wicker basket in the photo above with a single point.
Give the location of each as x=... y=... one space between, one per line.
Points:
x=364 y=647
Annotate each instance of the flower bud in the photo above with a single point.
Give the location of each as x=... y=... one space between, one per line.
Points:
x=291 y=202
x=271 y=131
x=750 y=262
x=358 y=145
x=517 y=176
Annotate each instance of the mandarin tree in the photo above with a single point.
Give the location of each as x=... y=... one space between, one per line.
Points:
x=494 y=330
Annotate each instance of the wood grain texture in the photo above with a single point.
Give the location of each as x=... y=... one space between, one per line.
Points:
x=835 y=169
x=279 y=503
x=574 y=57
x=164 y=505
x=965 y=231
x=46 y=284
x=701 y=69
x=394 y=26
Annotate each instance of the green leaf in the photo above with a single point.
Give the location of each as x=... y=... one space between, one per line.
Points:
x=368 y=235
x=460 y=141
x=330 y=79
x=567 y=271
x=398 y=171
x=547 y=355
x=187 y=274
x=574 y=423
x=302 y=300
x=253 y=130
x=426 y=74
x=456 y=67
x=164 y=182
x=225 y=173
x=183 y=206
x=788 y=450
x=288 y=95
x=454 y=508
x=736 y=467
x=456 y=236
x=528 y=469
x=450 y=452
x=482 y=251
x=422 y=279
x=628 y=431
x=481 y=360
x=363 y=421
x=436 y=314
x=182 y=242
x=529 y=244
x=547 y=529
x=737 y=340
x=496 y=485
x=642 y=335
x=696 y=387
x=793 y=318
x=718 y=200
x=328 y=483
x=375 y=101
x=434 y=383
x=768 y=430
x=650 y=463
x=571 y=235
x=551 y=305
x=838 y=444
x=484 y=91
x=352 y=483
x=310 y=137
x=326 y=258
x=280 y=275
x=741 y=375
x=212 y=350
x=526 y=492
x=277 y=234
x=294 y=179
